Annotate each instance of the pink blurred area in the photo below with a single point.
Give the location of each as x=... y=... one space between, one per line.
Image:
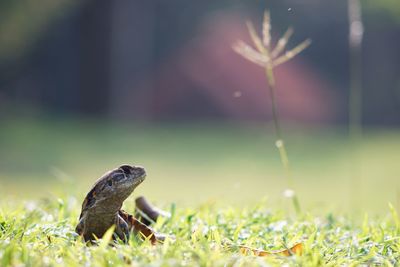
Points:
x=206 y=76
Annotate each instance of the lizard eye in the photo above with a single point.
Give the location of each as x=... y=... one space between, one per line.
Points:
x=110 y=182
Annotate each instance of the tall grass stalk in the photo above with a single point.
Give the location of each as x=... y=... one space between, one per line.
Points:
x=269 y=58
x=356 y=32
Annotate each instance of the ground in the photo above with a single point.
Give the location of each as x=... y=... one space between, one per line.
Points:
x=223 y=184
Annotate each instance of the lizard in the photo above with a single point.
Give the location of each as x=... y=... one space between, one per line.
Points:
x=101 y=208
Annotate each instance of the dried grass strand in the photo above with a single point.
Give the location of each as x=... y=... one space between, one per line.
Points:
x=282 y=42
x=292 y=53
x=255 y=38
x=267 y=30
x=249 y=53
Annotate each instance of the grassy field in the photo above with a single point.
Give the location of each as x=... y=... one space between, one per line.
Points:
x=221 y=181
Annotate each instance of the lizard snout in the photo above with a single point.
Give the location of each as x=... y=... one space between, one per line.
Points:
x=139 y=171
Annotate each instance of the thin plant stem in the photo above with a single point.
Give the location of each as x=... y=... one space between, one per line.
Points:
x=280 y=144
x=355 y=108
x=356 y=30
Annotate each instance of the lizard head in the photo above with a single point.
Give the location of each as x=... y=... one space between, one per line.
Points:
x=115 y=186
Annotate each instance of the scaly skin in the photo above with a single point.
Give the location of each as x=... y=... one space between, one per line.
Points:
x=101 y=208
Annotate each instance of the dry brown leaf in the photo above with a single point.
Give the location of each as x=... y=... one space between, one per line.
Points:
x=295 y=250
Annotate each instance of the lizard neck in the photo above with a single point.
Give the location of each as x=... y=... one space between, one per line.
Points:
x=105 y=208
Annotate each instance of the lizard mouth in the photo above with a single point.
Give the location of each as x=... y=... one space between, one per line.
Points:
x=138 y=174
x=141 y=178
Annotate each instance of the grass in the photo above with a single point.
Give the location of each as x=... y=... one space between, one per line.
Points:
x=220 y=181
x=41 y=233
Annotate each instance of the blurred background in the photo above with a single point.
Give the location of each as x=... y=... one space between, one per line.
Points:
x=88 y=85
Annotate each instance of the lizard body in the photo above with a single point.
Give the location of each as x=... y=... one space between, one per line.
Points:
x=101 y=208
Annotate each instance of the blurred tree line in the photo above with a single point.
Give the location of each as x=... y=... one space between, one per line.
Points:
x=86 y=57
